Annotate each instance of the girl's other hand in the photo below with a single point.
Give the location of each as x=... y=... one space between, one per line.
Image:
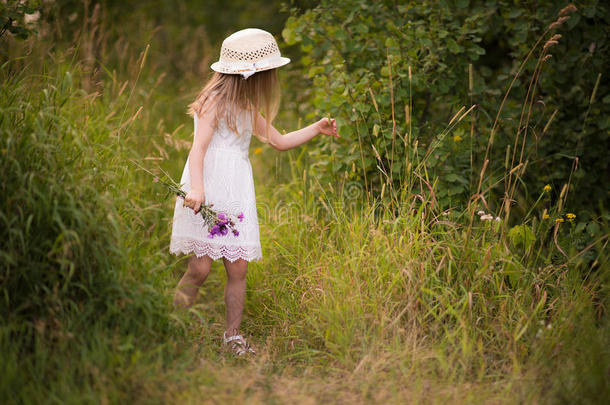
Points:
x=194 y=199
x=328 y=127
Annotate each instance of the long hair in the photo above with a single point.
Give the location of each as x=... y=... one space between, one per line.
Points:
x=230 y=92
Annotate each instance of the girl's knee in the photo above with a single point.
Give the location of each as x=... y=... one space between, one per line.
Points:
x=236 y=275
x=237 y=270
x=199 y=267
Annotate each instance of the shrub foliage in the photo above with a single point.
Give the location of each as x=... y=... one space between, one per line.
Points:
x=397 y=72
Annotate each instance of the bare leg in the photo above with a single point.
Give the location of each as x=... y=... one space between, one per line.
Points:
x=197 y=271
x=235 y=292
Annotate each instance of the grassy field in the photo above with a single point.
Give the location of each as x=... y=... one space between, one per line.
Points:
x=357 y=300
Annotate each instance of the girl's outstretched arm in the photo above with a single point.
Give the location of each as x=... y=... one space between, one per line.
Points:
x=195 y=197
x=295 y=138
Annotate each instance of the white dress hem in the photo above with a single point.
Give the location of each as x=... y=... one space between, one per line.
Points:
x=215 y=251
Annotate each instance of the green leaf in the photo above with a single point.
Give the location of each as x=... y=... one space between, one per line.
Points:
x=513 y=271
x=453 y=46
x=515 y=13
x=478 y=50
x=593 y=229
x=452 y=177
x=289 y=34
x=456 y=190
x=521 y=235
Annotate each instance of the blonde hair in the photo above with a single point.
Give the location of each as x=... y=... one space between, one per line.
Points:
x=229 y=93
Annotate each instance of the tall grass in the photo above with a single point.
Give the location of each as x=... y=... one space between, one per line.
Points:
x=394 y=303
x=82 y=300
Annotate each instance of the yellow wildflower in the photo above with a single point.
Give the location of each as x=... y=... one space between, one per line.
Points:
x=258 y=150
x=559 y=220
x=546 y=216
x=457 y=138
x=547 y=188
x=569 y=215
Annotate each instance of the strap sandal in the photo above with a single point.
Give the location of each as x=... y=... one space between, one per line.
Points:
x=237 y=344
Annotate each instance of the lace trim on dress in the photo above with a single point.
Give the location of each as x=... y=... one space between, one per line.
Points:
x=202 y=248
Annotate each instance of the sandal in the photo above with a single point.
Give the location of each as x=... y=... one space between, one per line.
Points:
x=237 y=344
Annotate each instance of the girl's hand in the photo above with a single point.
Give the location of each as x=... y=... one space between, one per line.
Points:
x=328 y=127
x=194 y=199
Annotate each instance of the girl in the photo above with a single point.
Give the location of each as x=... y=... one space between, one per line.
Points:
x=218 y=172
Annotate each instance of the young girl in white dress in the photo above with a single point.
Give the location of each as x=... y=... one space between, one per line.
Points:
x=227 y=112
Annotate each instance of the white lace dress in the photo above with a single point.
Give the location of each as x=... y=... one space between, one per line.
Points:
x=229 y=186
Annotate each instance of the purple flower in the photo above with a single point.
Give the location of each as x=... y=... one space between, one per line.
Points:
x=240 y=216
x=215 y=230
x=235 y=232
x=210 y=236
x=222 y=216
x=224 y=230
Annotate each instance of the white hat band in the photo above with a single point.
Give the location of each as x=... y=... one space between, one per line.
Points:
x=247 y=69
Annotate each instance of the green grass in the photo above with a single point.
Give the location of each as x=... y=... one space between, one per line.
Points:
x=352 y=303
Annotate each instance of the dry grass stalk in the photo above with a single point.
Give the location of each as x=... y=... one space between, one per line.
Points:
x=570 y=8
x=145 y=53
x=467 y=112
x=374 y=101
x=122 y=89
x=506 y=158
x=514 y=169
x=456 y=115
x=558 y=23
x=472 y=203
x=548 y=44
x=554 y=40
x=510 y=183
x=376 y=153
x=546 y=127
x=506 y=94
x=393 y=121
x=592 y=99
x=562 y=18
x=562 y=197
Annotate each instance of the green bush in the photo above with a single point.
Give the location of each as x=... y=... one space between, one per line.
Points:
x=395 y=73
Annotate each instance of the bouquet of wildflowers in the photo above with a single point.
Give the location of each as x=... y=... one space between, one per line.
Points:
x=219 y=223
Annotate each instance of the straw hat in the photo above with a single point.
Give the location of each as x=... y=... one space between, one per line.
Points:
x=247 y=52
